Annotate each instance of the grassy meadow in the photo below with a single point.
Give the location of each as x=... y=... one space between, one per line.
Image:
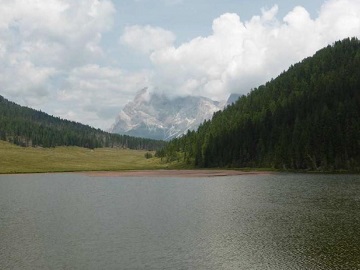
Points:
x=15 y=159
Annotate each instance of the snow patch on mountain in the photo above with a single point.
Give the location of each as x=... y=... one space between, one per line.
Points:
x=152 y=115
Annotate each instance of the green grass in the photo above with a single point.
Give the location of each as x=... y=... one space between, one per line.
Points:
x=15 y=159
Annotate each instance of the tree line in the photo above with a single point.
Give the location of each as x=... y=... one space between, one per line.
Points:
x=308 y=118
x=28 y=127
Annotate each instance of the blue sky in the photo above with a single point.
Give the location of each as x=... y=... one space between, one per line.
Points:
x=192 y=18
x=188 y=19
x=84 y=60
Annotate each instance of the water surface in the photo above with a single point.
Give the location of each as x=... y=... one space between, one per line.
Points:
x=280 y=221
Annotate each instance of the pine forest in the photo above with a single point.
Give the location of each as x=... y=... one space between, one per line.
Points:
x=308 y=118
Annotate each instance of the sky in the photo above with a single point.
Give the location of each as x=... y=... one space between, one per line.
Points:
x=84 y=60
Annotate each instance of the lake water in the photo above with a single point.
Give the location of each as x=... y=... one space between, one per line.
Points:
x=280 y=221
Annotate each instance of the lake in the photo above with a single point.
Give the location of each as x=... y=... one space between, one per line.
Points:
x=277 y=221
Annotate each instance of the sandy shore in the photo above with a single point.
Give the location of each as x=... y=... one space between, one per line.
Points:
x=174 y=173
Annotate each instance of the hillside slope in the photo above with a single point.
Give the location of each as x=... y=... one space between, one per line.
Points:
x=28 y=127
x=306 y=118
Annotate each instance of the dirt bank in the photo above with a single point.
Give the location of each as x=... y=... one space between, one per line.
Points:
x=174 y=173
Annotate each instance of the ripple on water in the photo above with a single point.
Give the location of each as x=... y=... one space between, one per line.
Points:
x=281 y=221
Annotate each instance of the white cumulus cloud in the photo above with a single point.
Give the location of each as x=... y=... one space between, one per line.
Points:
x=58 y=56
x=42 y=39
x=147 y=39
x=96 y=94
x=240 y=55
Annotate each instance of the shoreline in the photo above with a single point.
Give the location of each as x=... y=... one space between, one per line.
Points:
x=180 y=173
x=174 y=173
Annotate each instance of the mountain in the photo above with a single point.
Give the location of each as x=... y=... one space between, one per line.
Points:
x=308 y=118
x=28 y=127
x=233 y=98
x=156 y=116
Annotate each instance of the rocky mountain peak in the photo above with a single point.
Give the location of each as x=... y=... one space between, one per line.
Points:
x=156 y=116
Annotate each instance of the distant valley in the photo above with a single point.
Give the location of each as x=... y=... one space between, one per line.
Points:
x=305 y=119
x=28 y=127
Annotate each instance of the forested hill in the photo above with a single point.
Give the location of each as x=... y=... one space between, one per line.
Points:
x=28 y=127
x=306 y=118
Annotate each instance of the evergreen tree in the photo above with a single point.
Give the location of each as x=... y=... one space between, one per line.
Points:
x=27 y=127
x=306 y=118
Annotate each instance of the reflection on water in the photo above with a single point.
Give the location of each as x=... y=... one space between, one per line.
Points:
x=281 y=221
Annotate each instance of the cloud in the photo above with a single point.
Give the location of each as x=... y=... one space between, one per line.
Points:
x=239 y=55
x=29 y=83
x=96 y=94
x=147 y=39
x=40 y=40
x=55 y=27
x=52 y=54
x=166 y=2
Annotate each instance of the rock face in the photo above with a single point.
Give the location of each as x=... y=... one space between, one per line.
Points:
x=155 y=116
x=233 y=98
